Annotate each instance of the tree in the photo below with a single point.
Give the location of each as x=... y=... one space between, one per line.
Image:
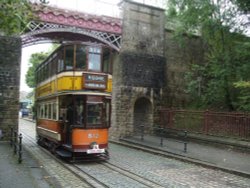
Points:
x=15 y=14
x=34 y=61
x=217 y=24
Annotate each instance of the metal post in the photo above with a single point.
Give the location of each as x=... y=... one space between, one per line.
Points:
x=142 y=132
x=20 y=149
x=161 y=133
x=11 y=136
x=15 y=142
x=185 y=142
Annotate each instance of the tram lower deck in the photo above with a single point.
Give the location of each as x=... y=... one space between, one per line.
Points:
x=74 y=124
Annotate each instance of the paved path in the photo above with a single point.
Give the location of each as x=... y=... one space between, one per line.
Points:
x=28 y=174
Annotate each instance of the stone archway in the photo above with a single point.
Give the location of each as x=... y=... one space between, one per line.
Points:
x=143 y=115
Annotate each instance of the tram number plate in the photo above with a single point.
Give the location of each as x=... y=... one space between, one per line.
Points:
x=91 y=151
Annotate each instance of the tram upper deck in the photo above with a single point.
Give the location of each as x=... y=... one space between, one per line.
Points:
x=75 y=68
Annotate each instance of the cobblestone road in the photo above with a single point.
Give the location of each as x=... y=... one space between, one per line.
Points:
x=164 y=171
x=171 y=172
x=58 y=173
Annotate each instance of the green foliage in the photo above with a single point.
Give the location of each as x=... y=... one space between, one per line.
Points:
x=243 y=87
x=14 y=15
x=227 y=54
x=34 y=61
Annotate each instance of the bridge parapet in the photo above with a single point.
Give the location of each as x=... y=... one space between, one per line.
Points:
x=78 y=19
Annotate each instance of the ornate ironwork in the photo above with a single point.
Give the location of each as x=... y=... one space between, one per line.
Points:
x=35 y=32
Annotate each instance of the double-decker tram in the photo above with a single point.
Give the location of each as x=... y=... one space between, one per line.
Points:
x=73 y=100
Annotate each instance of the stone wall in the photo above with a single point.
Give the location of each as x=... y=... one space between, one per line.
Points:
x=143 y=29
x=10 y=58
x=138 y=70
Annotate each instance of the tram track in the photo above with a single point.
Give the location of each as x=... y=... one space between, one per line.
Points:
x=132 y=175
x=85 y=181
x=91 y=179
x=123 y=177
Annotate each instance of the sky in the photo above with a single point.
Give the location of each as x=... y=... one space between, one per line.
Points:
x=99 y=7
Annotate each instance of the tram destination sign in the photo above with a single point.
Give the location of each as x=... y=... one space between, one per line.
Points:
x=94 y=81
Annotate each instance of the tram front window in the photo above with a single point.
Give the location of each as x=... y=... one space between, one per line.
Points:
x=94 y=113
x=79 y=111
x=85 y=112
x=94 y=59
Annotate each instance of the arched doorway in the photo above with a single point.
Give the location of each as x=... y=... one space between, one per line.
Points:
x=143 y=115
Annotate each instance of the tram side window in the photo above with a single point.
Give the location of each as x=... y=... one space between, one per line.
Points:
x=69 y=57
x=46 y=71
x=43 y=72
x=60 y=62
x=81 y=57
x=54 y=111
x=38 y=111
x=42 y=111
x=45 y=111
x=49 y=111
x=42 y=75
x=60 y=65
x=94 y=59
x=53 y=66
x=94 y=113
x=50 y=68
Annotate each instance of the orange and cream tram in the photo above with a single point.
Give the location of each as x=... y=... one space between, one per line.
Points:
x=73 y=100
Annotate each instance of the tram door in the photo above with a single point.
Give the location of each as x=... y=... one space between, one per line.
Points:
x=69 y=123
x=73 y=114
x=66 y=113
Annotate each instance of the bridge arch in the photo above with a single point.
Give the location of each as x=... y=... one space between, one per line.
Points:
x=46 y=32
x=53 y=24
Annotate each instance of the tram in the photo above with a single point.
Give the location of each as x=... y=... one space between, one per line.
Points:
x=73 y=100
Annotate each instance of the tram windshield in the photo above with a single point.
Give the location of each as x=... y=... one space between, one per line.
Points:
x=94 y=113
x=77 y=111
